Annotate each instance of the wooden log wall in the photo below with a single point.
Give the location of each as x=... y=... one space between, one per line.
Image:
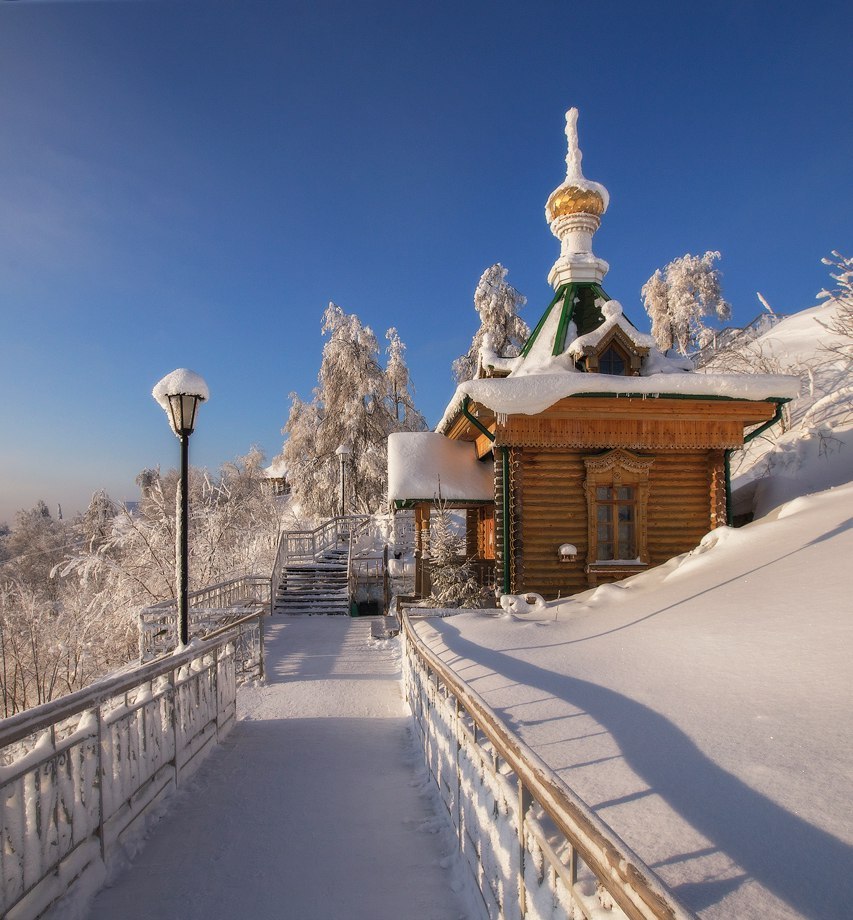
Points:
x=548 y=488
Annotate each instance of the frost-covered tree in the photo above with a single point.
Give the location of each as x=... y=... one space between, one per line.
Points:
x=497 y=302
x=679 y=296
x=398 y=386
x=452 y=583
x=356 y=403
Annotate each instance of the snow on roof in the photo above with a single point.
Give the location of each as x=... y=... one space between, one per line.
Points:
x=613 y=316
x=421 y=462
x=277 y=469
x=535 y=393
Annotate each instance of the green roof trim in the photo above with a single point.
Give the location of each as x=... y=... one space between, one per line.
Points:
x=565 y=319
x=577 y=302
x=404 y=504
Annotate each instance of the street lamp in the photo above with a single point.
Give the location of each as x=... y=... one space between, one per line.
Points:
x=179 y=394
x=343 y=453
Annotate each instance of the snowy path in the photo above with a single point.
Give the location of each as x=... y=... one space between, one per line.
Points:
x=314 y=807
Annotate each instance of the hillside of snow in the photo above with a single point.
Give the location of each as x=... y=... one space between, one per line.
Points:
x=813 y=448
x=703 y=708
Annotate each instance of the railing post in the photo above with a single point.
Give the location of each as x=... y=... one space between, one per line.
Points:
x=101 y=778
x=524 y=800
x=174 y=684
x=261 y=672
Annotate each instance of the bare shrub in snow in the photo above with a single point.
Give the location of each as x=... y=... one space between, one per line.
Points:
x=841 y=325
x=677 y=298
x=497 y=302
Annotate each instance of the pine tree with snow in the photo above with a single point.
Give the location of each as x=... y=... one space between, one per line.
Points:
x=679 y=296
x=451 y=579
x=497 y=302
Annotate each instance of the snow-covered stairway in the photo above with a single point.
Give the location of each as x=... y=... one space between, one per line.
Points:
x=315 y=587
x=310 y=572
x=316 y=806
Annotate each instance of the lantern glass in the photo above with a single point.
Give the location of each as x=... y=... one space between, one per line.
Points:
x=182 y=408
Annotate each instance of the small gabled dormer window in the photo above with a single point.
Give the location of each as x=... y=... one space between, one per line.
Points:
x=613 y=361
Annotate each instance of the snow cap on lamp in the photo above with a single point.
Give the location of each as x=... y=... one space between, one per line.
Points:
x=181 y=383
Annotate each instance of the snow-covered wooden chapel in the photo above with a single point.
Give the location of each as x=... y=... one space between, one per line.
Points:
x=591 y=455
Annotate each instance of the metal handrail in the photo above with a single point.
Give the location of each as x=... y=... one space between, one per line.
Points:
x=637 y=890
x=354 y=532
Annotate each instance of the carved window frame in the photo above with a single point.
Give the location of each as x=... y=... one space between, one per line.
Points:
x=617 y=468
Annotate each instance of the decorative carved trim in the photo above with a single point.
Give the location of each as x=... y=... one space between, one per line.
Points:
x=618 y=461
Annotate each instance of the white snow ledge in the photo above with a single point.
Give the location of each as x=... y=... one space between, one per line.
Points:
x=422 y=462
x=536 y=393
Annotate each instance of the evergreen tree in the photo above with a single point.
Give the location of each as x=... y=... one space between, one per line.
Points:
x=497 y=302
x=677 y=298
x=452 y=583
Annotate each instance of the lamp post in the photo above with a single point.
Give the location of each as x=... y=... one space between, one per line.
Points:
x=179 y=394
x=343 y=452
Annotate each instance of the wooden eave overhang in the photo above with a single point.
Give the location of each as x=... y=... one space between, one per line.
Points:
x=474 y=422
x=637 y=422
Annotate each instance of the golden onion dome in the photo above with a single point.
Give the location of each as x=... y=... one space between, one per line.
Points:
x=572 y=199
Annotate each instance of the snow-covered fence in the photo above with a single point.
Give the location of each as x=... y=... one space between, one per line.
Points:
x=77 y=773
x=210 y=609
x=726 y=338
x=535 y=849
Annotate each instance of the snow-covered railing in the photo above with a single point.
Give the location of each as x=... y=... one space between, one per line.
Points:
x=78 y=773
x=535 y=849
x=210 y=608
x=724 y=338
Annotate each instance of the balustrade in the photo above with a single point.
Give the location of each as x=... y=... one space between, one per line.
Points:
x=79 y=772
x=535 y=849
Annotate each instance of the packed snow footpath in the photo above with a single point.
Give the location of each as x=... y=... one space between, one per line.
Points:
x=702 y=709
x=316 y=806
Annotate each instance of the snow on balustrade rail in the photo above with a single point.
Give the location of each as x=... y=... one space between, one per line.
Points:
x=78 y=773
x=535 y=849
x=211 y=608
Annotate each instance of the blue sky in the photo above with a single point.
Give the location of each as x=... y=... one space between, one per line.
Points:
x=190 y=183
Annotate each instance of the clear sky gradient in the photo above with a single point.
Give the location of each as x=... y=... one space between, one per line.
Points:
x=190 y=183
